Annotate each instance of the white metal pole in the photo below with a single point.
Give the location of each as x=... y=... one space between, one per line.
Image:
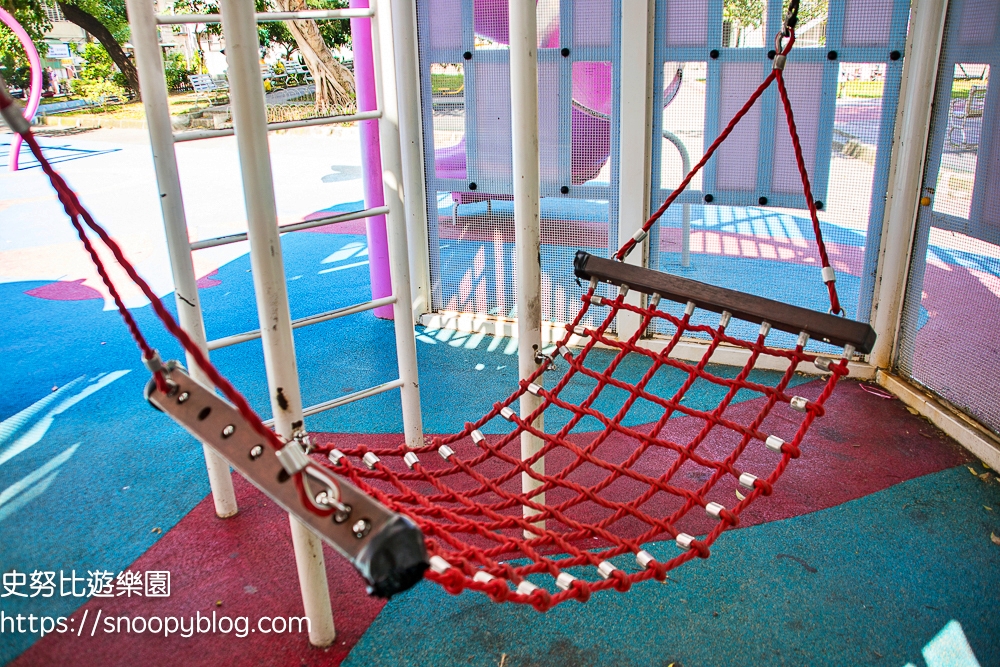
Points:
x=636 y=123
x=404 y=30
x=250 y=121
x=395 y=220
x=149 y=63
x=923 y=52
x=527 y=241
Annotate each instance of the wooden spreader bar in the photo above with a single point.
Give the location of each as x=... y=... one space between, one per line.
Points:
x=828 y=328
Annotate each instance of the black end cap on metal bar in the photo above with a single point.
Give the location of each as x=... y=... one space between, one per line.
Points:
x=750 y=307
x=580 y=264
x=395 y=560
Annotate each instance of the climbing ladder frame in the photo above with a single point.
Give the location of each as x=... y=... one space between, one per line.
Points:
x=250 y=126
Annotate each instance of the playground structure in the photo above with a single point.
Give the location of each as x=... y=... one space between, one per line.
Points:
x=630 y=317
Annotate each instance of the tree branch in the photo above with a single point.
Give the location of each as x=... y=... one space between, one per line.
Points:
x=91 y=24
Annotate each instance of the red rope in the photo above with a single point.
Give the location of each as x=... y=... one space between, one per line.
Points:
x=75 y=211
x=776 y=74
x=806 y=188
x=470 y=507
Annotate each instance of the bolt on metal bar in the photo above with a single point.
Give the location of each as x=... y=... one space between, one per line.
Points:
x=295 y=226
x=305 y=321
x=263 y=17
x=195 y=135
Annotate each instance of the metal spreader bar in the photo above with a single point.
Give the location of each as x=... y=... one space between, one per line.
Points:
x=386 y=548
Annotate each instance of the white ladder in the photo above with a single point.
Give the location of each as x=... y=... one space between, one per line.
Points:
x=239 y=22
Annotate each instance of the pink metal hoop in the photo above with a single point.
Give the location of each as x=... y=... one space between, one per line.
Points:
x=35 y=93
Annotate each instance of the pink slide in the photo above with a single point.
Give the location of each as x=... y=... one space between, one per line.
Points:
x=591 y=114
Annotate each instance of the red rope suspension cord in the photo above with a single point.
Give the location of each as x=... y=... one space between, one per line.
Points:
x=474 y=526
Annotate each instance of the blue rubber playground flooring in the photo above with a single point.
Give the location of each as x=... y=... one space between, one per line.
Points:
x=91 y=476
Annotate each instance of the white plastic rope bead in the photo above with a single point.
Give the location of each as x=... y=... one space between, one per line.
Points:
x=565 y=580
x=689 y=308
x=335 y=456
x=478 y=437
x=848 y=352
x=747 y=480
x=446 y=452
x=640 y=235
x=654 y=301
x=684 y=541
x=724 y=319
x=483 y=577
x=622 y=290
x=370 y=460
x=605 y=568
x=803 y=339
x=533 y=389
x=644 y=558
x=714 y=509
x=597 y=299
x=829 y=275
x=822 y=363
x=765 y=328
x=798 y=403
x=507 y=413
x=439 y=565
x=773 y=442
x=564 y=351
x=526 y=587
x=410 y=460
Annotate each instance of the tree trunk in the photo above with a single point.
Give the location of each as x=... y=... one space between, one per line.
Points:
x=334 y=82
x=90 y=23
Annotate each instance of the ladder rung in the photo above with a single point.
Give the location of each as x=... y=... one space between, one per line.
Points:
x=194 y=135
x=262 y=17
x=344 y=400
x=305 y=321
x=295 y=226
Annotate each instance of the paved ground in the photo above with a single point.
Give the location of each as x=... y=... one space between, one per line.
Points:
x=879 y=538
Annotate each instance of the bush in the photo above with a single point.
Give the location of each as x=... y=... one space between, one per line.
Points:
x=177 y=71
x=99 y=78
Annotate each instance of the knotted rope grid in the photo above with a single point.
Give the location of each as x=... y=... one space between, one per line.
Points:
x=469 y=501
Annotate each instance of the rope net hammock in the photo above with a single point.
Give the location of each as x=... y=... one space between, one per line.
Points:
x=600 y=486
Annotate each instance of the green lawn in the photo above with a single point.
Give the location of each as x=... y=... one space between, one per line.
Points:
x=873 y=89
x=447 y=84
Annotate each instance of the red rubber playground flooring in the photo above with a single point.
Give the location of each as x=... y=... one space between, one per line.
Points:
x=243 y=566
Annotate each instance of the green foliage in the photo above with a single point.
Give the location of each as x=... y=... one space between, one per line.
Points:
x=750 y=13
x=809 y=10
x=98 y=77
x=747 y=13
x=109 y=12
x=176 y=70
x=335 y=33
x=30 y=15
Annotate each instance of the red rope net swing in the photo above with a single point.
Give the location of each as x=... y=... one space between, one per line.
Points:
x=604 y=486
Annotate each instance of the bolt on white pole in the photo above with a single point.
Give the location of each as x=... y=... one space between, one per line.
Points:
x=239 y=25
x=149 y=63
x=527 y=242
x=395 y=219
